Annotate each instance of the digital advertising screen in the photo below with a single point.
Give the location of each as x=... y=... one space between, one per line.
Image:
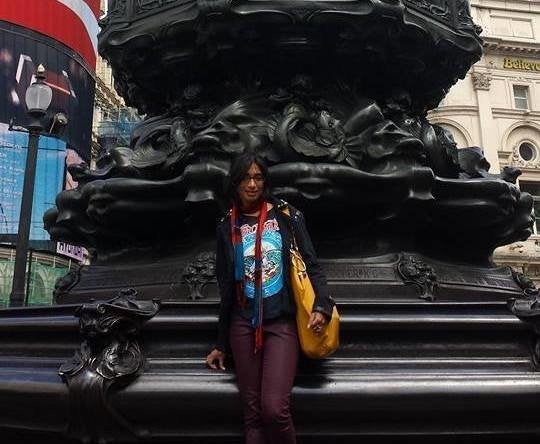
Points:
x=48 y=182
x=74 y=23
x=72 y=83
x=62 y=36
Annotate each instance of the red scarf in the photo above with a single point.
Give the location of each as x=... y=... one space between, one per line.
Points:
x=239 y=272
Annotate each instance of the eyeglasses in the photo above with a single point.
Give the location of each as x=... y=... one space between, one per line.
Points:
x=258 y=178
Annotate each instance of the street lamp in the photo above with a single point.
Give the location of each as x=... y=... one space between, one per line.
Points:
x=38 y=98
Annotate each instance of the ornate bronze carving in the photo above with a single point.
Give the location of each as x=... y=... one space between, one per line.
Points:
x=528 y=310
x=525 y=283
x=324 y=93
x=116 y=10
x=439 y=9
x=148 y=5
x=65 y=283
x=109 y=358
x=198 y=273
x=417 y=272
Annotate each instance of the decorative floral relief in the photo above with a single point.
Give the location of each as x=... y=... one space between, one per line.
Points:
x=481 y=80
x=517 y=161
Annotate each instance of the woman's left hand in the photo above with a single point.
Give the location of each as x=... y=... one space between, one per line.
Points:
x=317 y=321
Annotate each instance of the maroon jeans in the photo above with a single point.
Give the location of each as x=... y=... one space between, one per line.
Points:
x=265 y=379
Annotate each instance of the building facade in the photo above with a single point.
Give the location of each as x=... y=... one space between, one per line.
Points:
x=497 y=107
x=113 y=120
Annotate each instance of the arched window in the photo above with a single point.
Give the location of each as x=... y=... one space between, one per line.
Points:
x=527 y=151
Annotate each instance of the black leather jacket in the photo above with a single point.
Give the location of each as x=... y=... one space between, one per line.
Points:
x=225 y=266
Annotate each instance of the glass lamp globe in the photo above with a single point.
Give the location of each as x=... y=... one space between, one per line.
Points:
x=38 y=95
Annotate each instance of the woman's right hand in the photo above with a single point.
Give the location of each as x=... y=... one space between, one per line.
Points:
x=213 y=356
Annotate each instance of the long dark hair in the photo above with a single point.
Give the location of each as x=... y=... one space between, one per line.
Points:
x=239 y=168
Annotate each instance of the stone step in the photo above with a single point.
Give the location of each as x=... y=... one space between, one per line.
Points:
x=402 y=368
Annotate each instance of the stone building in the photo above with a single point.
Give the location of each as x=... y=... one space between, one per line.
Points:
x=113 y=120
x=106 y=105
x=497 y=107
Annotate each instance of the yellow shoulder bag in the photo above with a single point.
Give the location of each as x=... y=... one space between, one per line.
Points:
x=314 y=345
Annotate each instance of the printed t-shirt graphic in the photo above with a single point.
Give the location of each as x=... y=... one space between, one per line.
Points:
x=272 y=268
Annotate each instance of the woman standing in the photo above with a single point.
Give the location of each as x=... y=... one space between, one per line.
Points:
x=257 y=312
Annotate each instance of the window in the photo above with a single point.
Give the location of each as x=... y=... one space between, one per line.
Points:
x=521 y=96
x=533 y=188
x=106 y=115
x=527 y=151
x=504 y=26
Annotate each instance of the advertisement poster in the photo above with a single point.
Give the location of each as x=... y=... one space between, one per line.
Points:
x=48 y=182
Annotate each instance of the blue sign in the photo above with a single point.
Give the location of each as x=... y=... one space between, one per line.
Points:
x=49 y=179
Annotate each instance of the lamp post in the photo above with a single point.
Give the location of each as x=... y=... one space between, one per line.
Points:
x=38 y=98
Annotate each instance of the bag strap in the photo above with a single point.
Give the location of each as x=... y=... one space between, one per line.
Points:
x=285 y=210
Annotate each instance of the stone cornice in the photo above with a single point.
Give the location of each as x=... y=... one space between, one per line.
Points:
x=531 y=261
x=516 y=5
x=518 y=262
x=452 y=110
x=525 y=115
x=520 y=253
x=502 y=46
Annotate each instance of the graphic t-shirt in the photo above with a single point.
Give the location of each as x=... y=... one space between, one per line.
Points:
x=272 y=263
x=274 y=291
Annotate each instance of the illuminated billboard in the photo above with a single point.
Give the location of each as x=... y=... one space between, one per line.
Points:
x=61 y=35
x=73 y=85
x=49 y=179
x=70 y=22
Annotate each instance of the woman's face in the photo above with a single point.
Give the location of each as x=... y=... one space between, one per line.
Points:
x=251 y=187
